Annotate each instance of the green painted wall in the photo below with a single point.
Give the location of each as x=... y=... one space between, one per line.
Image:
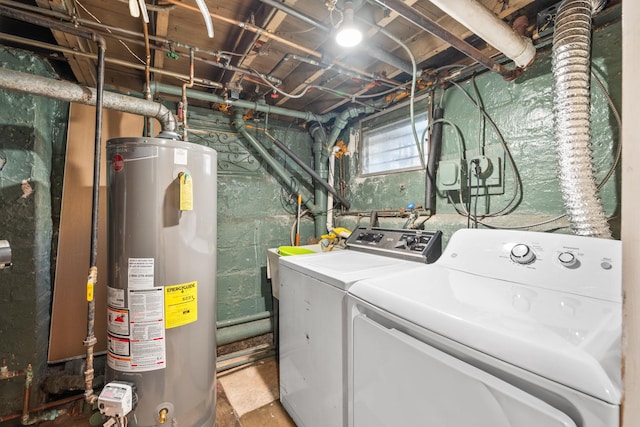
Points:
x=522 y=110
x=33 y=133
x=254 y=211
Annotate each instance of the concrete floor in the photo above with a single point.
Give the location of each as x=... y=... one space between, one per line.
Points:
x=246 y=397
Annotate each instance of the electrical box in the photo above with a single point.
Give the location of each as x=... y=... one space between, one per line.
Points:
x=116 y=399
x=450 y=175
x=491 y=178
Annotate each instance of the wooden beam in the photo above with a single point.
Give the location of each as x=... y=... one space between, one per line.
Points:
x=83 y=68
x=162 y=30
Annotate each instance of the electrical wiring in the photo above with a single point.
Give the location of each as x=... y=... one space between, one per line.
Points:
x=307 y=88
x=414 y=78
x=516 y=198
x=458 y=134
x=475 y=207
x=100 y=22
x=372 y=95
x=611 y=171
x=616 y=114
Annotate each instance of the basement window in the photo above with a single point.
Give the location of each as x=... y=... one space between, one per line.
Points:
x=388 y=144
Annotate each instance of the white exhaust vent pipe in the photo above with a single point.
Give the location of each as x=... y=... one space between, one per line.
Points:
x=483 y=22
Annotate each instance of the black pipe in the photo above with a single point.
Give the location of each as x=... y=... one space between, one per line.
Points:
x=418 y=19
x=311 y=172
x=44 y=22
x=435 y=144
x=90 y=340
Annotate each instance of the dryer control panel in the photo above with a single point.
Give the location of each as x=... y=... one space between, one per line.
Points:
x=414 y=245
x=572 y=264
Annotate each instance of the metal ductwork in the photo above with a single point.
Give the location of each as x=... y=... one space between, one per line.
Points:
x=71 y=92
x=572 y=126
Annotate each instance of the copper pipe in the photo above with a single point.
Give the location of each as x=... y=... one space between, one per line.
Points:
x=43 y=407
x=5 y=373
x=184 y=101
x=27 y=395
x=34 y=43
x=263 y=32
x=250 y=27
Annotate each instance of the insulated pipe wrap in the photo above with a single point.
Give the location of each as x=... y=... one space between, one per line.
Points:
x=571 y=71
x=71 y=92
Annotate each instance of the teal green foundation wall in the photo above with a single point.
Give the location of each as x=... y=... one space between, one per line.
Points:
x=522 y=110
x=32 y=132
x=254 y=213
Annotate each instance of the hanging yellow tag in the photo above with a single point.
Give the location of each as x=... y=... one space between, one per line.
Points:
x=186 y=192
x=89 y=291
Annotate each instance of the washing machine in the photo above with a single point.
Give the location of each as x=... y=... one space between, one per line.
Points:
x=312 y=315
x=506 y=329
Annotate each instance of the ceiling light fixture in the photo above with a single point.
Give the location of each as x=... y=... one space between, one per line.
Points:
x=348 y=34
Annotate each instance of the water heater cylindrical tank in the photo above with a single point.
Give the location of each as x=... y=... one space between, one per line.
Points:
x=162 y=278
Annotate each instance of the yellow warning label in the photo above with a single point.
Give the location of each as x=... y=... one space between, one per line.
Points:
x=89 y=291
x=186 y=192
x=180 y=304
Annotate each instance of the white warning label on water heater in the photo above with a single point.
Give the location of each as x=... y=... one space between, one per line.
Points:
x=140 y=273
x=144 y=349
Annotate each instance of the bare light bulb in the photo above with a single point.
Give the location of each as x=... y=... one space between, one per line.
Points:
x=348 y=34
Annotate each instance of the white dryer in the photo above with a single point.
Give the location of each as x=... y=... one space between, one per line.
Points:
x=507 y=329
x=312 y=316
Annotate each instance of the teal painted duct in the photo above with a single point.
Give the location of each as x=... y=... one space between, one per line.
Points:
x=257 y=106
x=278 y=169
x=244 y=319
x=244 y=331
x=321 y=159
x=322 y=147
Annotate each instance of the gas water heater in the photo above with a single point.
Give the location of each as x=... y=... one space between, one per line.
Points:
x=161 y=361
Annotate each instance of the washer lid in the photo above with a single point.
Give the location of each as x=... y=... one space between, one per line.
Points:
x=343 y=268
x=570 y=339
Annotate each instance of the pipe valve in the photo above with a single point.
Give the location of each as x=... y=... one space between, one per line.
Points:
x=162 y=415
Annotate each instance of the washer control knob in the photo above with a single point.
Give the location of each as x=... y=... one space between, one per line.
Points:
x=567 y=259
x=522 y=254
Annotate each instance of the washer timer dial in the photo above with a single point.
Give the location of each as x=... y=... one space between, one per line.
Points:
x=522 y=254
x=567 y=259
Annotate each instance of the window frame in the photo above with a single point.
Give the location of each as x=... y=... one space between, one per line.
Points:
x=376 y=121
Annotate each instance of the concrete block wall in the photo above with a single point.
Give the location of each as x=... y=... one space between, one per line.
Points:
x=32 y=129
x=522 y=110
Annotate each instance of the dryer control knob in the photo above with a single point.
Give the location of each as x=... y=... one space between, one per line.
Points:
x=568 y=259
x=522 y=254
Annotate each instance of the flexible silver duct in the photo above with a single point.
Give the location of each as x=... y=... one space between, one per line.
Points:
x=71 y=92
x=571 y=72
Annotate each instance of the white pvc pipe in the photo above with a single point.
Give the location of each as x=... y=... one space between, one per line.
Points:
x=483 y=22
x=330 y=178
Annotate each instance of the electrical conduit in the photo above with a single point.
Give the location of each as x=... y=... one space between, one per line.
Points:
x=571 y=63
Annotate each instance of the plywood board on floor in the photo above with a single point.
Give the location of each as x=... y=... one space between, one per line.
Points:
x=252 y=387
x=270 y=415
